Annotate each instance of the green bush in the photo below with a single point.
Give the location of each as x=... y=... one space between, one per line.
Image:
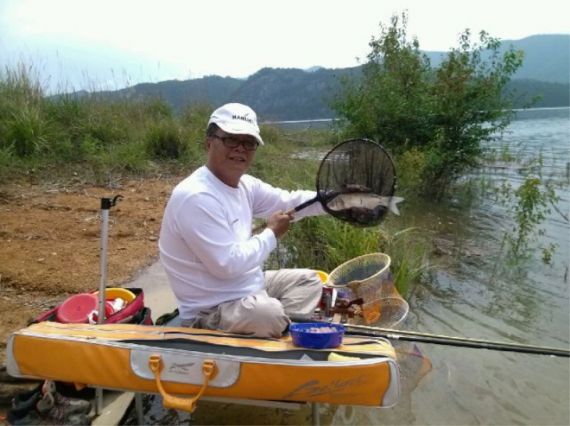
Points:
x=446 y=112
x=408 y=250
x=26 y=131
x=194 y=121
x=20 y=86
x=127 y=157
x=410 y=167
x=7 y=161
x=103 y=135
x=154 y=109
x=163 y=140
x=325 y=243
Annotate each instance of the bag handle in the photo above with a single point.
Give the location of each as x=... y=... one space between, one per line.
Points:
x=179 y=403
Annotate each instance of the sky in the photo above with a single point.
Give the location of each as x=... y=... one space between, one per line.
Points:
x=110 y=44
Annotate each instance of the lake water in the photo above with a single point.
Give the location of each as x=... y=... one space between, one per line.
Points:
x=472 y=294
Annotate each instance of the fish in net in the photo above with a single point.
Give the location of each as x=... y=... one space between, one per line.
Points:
x=356 y=182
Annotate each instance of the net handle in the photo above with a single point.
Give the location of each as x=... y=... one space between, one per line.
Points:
x=303 y=205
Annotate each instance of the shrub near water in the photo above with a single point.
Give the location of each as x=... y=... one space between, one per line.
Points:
x=325 y=243
x=443 y=112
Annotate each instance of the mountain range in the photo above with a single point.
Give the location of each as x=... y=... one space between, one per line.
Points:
x=295 y=94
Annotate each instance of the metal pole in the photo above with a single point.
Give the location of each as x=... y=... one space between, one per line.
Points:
x=139 y=408
x=103 y=265
x=315 y=414
x=106 y=204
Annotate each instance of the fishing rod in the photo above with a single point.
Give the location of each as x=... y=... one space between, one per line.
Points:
x=438 y=339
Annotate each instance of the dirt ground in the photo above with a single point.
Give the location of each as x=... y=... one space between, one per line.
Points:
x=50 y=242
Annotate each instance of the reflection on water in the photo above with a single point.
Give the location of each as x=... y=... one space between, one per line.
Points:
x=482 y=296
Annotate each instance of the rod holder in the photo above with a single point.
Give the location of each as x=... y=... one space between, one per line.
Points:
x=107 y=203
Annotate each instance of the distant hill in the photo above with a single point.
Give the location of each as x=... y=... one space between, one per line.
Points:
x=546 y=57
x=212 y=90
x=295 y=94
x=291 y=94
x=274 y=93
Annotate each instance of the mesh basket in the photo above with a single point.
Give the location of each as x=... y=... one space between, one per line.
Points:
x=369 y=277
x=386 y=312
x=363 y=274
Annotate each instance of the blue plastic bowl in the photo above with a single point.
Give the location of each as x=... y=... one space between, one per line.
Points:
x=316 y=335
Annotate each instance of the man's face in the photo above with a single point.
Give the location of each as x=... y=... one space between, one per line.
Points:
x=229 y=156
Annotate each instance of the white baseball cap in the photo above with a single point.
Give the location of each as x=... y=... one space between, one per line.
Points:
x=237 y=119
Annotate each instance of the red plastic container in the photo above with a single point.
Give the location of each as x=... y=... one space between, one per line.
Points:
x=76 y=308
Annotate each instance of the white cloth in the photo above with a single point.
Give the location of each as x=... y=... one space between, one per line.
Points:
x=206 y=245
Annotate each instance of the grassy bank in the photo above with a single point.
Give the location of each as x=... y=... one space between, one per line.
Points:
x=96 y=141
x=87 y=135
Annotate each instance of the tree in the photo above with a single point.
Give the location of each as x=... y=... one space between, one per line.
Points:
x=444 y=114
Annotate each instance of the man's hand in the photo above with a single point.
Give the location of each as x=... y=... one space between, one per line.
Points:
x=279 y=223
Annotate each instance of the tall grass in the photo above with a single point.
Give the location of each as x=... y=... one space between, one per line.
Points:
x=325 y=243
x=102 y=137
x=408 y=248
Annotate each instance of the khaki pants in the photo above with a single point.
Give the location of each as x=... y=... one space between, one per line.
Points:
x=288 y=292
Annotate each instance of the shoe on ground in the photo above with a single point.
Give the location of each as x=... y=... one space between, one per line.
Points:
x=26 y=400
x=33 y=418
x=59 y=408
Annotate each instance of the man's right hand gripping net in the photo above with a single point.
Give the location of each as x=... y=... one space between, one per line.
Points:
x=365 y=292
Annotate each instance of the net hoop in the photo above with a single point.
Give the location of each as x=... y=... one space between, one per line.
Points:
x=373 y=150
x=393 y=311
x=340 y=272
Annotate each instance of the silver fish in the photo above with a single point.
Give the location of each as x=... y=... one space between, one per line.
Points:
x=364 y=200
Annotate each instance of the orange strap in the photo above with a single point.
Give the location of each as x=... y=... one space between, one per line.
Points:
x=179 y=403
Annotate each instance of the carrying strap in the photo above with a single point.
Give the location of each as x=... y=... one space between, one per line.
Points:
x=209 y=371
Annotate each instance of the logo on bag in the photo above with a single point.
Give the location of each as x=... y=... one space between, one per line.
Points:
x=181 y=368
x=314 y=388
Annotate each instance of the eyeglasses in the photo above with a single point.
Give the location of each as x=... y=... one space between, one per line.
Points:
x=231 y=142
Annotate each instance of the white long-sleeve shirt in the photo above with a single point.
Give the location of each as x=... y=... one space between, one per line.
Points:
x=206 y=245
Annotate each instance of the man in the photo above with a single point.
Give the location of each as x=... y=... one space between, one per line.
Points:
x=213 y=262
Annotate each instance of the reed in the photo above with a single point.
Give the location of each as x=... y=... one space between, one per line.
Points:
x=95 y=136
